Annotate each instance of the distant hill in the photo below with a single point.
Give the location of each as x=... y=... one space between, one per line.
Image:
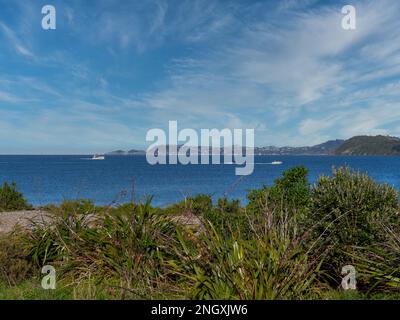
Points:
x=125 y=153
x=326 y=148
x=116 y=153
x=359 y=145
x=370 y=146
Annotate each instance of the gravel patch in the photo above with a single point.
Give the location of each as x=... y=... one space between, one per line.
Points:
x=25 y=218
x=9 y=220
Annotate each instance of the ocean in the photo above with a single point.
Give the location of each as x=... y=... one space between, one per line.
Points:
x=52 y=179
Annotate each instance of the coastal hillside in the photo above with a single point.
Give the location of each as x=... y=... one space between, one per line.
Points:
x=126 y=153
x=370 y=146
x=355 y=146
x=326 y=148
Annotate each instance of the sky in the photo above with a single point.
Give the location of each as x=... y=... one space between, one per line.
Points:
x=114 y=69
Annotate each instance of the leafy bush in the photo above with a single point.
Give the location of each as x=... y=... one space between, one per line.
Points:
x=200 y=204
x=11 y=199
x=347 y=211
x=15 y=263
x=126 y=244
x=378 y=265
x=228 y=206
x=294 y=186
x=227 y=215
x=270 y=263
x=74 y=207
x=292 y=191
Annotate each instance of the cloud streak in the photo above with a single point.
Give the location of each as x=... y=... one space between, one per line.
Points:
x=288 y=70
x=15 y=41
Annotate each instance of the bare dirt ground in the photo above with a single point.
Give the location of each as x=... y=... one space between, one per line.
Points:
x=24 y=219
x=8 y=220
x=189 y=220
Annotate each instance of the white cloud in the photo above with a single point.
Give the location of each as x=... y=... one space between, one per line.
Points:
x=288 y=70
x=307 y=65
x=15 y=42
x=6 y=97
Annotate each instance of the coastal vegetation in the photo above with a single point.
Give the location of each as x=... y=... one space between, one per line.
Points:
x=370 y=146
x=11 y=199
x=289 y=241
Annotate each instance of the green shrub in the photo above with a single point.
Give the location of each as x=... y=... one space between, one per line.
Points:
x=228 y=206
x=15 y=263
x=200 y=204
x=378 y=265
x=75 y=207
x=227 y=216
x=347 y=211
x=124 y=246
x=60 y=238
x=294 y=186
x=11 y=199
x=269 y=263
x=291 y=191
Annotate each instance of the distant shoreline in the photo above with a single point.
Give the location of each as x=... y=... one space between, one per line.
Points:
x=258 y=155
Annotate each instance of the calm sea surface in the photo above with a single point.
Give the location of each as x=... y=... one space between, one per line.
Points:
x=51 y=179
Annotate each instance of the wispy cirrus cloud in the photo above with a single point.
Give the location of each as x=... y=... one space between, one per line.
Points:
x=15 y=42
x=299 y=70
x=288 y=69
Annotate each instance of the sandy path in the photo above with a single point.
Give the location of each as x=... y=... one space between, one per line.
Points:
x=8 y=220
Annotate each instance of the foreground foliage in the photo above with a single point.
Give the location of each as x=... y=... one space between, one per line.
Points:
x=289 y=241
x=11 y=199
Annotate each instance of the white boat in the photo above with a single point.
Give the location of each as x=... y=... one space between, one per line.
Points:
x=98 y=157
x=276 y=162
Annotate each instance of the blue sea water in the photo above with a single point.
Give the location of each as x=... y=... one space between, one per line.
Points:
x=51 y=179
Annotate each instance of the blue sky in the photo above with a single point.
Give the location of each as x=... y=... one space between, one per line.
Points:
x=112 y=70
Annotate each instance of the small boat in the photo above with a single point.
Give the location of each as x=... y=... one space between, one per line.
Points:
x=276 y=162
x=98 y=157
